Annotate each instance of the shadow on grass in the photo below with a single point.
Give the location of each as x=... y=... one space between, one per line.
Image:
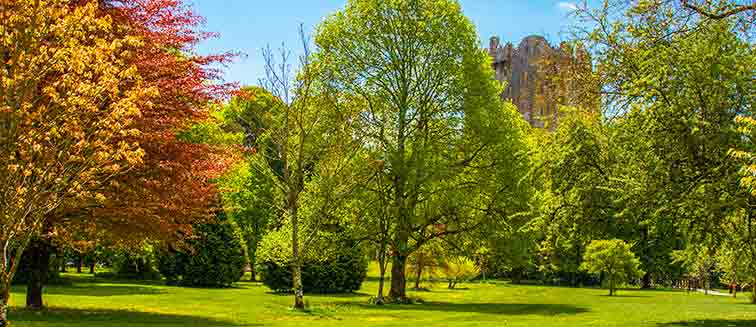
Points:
x=489 y=308
x=100 y=290
x=102 y=317
x=711 y=323
x=338 y=295
x=623 y=295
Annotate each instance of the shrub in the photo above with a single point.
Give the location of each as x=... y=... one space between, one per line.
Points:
x=215 y=258
x=130 y=264
x=460 y=269
x=334 y=266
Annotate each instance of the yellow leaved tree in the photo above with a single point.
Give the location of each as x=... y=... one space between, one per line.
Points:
x=67 y=100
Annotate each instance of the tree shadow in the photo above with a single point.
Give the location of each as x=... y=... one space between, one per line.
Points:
x=488 y=308
x=711 y=323
x=102 y=290
x=104 y=317
x=332 y=295
x=623 y=295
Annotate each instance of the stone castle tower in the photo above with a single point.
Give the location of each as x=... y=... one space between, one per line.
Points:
x=522 y=68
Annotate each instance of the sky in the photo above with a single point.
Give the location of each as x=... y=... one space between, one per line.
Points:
x=247 y=26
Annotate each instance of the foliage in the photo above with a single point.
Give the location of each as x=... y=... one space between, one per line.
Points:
x=25 y=271
x=333 y=265
x=427 y=262
x=131 y=264
x=447 y=151
x=69 y=96
x=614 y=259
x=215 y=258
x=460 y=269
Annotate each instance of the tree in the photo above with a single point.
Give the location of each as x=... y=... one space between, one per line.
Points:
x=668 y=181
x=614 y=259
x=432 y=118
x=249 y=195
x=426 y=262
x=68 y=92
x=300 y=151
x=170 y=189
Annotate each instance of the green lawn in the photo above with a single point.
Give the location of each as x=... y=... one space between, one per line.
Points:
x=89 y=302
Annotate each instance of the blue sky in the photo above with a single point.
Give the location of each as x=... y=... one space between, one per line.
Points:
x=249 y=25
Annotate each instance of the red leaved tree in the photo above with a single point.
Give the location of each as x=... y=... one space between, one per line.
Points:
x=171 y=190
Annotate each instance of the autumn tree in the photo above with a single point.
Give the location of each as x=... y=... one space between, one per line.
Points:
x=68 y=91
x=170 y=189
x=432 y=115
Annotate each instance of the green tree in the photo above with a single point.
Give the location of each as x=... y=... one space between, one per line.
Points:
x=450 y=151
x=614 y=259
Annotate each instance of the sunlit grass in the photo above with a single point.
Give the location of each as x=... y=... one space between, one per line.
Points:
x=90 y=302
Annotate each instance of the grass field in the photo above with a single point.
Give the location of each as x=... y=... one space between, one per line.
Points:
x=91 y=302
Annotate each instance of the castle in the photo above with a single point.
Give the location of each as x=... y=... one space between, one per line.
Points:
x=524 y=69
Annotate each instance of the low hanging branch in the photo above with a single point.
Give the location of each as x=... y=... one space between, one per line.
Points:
x=721 y=13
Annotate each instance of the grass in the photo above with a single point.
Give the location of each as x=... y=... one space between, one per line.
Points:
x=87 y=301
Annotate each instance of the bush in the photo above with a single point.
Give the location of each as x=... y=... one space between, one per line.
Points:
x=334 y=266
x=130 y=264
x=215 y=258
x=460 y=269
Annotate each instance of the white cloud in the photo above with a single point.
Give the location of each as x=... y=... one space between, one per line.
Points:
x=564 y=5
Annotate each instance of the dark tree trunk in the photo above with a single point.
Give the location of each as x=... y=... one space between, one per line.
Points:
x=646 y=281
x=92 y=266
x=398 y=290
x=517 y=276
x=252 y=272
x=80 y=264
x=39 y=252
x=4 y=299
x=382 y=267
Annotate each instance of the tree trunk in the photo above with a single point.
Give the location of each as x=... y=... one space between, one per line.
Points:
x=646 y=281
x=398 y=278
x=753 y=289
x=418 y=276
x=252 y=272
x=39 y=253
x=62 y=262
x=611 y=286
x=79 y=263
x=298 y=288
x=382 y=277
x=92 y=266
x=735 y=290
x=297 y=266
x=4 y=299
x=381 y=281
